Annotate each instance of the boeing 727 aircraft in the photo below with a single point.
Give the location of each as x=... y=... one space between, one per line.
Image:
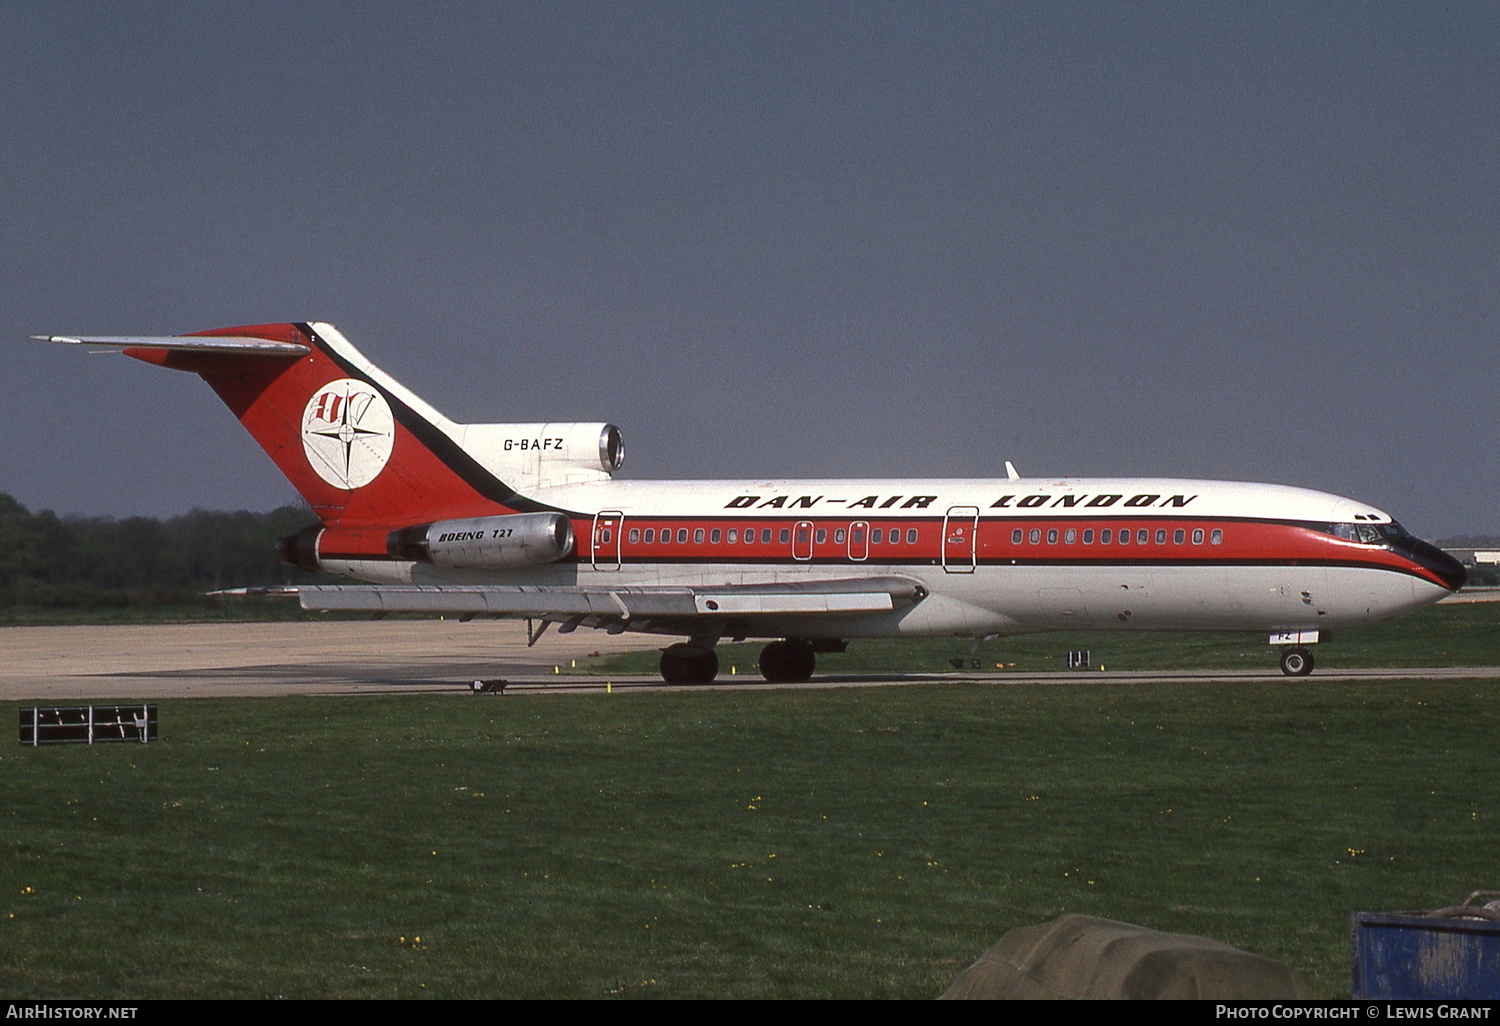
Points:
x=525 y=521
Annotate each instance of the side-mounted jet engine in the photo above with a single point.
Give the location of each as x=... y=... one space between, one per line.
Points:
x=485 y=543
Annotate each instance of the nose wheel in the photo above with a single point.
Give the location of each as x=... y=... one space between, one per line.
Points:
x=1296 y=662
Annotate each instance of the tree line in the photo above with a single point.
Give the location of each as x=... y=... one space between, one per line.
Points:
x=47 y=561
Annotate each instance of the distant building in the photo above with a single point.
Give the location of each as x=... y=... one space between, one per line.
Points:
x=1483 y=562
x=1475 y=557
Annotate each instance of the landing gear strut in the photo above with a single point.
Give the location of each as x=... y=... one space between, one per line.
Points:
x=689 y=664
x=1296 y=662
x=787 y=662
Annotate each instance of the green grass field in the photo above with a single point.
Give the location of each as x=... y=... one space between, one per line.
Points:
x=1459 y=634
x=860 y=843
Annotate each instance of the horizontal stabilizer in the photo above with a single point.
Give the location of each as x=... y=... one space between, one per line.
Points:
x=267 y=589
x=235 y=344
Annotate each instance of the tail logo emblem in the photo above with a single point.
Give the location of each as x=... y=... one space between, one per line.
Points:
x=347 y=433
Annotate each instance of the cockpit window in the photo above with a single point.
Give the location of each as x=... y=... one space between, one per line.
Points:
x=1366 y=534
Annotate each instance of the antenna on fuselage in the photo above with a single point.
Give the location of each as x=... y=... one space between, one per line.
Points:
x=1010 y=471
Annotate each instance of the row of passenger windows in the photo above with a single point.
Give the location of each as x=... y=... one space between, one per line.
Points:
x=878 y=536
x=1108 y=536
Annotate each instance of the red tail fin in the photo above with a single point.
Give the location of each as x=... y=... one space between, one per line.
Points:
x=356 y=445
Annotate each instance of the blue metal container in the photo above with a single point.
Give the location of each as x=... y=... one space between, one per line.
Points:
x=1447 y=954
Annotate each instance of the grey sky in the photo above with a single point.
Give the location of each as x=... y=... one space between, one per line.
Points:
x=1246 y=241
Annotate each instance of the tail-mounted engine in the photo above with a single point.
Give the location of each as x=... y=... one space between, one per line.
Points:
x=486 y=543
x=527 y=456
x=300 y=549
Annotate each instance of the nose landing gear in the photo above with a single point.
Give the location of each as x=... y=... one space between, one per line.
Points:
x=1296 y=662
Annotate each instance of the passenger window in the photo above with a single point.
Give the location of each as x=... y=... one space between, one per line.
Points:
x=875 y=536
x=1177 y=536
x=821 y=535
x=838 y=536
x=1161 y=536
x=635 y=536
x=785 y=535
x=911 y=536
x=856 y=535
x=1015 y=536
x=605 y=535
x=1215 y=537
x=1088 y=536
x=750 y=537
x=1141 y=536
x=666 y=536
x=1197 y=536
x=682 y=536
x=1070 y=536
x=733 y=536
x=1124 y=536
x=698 y=536
x=714 y=536
x=1106 y=536
x=1052 y=536
x=1035 y=536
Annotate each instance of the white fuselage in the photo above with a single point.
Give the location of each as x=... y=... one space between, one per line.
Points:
x=997 y=556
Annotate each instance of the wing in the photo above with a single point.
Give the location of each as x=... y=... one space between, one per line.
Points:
x=638 y=608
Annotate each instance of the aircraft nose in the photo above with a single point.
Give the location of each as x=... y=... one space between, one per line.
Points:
x=1433 y=559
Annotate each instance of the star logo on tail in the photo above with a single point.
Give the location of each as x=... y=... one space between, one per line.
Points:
x=347 y=433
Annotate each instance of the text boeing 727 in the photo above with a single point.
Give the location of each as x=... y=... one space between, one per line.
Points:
x=524 y=521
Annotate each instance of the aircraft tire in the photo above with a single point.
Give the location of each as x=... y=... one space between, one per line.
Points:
x=1296 y=662
x=689 y=664
x=787 y=662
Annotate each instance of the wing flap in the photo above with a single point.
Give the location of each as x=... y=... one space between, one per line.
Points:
x=864 y=595
x=517 y=601
x=745 y=605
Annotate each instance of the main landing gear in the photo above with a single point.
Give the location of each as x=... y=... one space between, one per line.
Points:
x=781 y=662
x=787 y=662
x=1296 y=662
x=689 y=664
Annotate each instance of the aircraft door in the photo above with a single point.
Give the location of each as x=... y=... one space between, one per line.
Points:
x=609 y=534
x=859 y=541
x=960 y=535
x=802 y=540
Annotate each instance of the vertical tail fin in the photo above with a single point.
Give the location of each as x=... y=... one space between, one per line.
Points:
x=357 y=446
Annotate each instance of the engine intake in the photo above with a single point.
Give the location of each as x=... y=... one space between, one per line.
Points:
x=486 y=543
x=300 y=549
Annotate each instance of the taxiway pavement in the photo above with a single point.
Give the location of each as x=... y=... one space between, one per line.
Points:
x=129 y=662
